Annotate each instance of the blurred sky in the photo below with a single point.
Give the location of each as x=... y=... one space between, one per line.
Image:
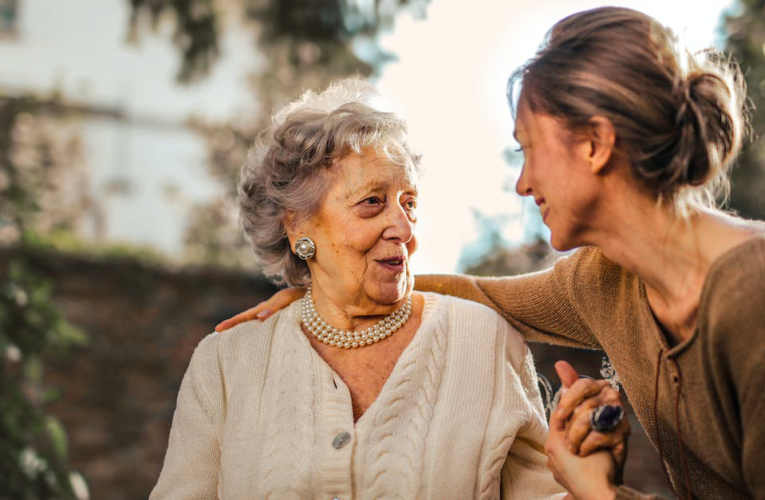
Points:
x=449 y=83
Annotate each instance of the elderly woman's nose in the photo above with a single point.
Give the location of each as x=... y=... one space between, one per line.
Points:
x=400 y=226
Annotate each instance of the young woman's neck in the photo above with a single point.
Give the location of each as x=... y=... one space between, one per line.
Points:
x=670 y=253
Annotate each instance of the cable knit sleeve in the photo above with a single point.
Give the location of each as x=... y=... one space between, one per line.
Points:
x=541 y=305
x=192 y=462
x=524 y=472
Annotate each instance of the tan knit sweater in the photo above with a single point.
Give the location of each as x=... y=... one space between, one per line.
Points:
x=261 y=415
x=714 y=380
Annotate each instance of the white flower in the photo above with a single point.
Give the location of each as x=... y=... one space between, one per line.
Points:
x=21 y=297
x=31 y=463
x=79 y=486
x=13 y=353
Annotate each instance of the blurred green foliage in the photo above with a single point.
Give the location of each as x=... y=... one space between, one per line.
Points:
x=33 y=446
x=745 y=28
x=67 y=241
x=319 y=27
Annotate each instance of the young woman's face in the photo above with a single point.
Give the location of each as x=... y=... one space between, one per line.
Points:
x=556 y=172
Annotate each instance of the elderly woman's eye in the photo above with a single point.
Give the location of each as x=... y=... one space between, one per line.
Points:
x=372 y=200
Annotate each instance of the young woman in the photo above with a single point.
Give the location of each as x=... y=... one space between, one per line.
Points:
x=628 y=141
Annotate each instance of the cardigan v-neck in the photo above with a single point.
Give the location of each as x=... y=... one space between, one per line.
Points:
x=405 y=358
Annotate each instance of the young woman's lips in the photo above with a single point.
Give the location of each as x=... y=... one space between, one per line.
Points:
x=544 y=210
x=395 y=264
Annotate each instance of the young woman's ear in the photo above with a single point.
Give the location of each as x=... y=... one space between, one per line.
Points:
x=602 y=138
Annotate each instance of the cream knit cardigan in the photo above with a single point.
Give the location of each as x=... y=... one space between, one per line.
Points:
x=261 y=415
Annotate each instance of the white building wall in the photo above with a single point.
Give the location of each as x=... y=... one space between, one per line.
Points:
x=79 y=47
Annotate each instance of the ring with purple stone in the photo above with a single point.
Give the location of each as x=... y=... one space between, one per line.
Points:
x=606 y=418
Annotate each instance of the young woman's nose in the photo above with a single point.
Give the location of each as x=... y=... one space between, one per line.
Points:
x=522 y=187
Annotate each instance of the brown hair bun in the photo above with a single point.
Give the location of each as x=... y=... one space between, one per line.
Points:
x=679 y=117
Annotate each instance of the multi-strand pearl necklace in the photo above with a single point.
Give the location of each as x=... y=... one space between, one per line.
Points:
x=330 y=335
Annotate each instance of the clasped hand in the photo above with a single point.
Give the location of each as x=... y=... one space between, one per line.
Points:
x=587 y=463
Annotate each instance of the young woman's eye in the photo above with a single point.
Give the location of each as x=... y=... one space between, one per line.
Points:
x=519 y=149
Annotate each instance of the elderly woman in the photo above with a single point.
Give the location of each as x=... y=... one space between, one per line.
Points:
x=363 y=389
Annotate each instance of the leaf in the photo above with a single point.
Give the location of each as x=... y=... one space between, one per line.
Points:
x=57 y=436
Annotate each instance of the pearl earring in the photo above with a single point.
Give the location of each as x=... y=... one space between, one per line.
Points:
x=305 y=248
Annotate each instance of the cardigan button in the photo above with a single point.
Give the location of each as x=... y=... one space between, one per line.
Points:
x=341 y=440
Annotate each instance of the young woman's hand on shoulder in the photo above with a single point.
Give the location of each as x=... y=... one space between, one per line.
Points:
x=265 y=309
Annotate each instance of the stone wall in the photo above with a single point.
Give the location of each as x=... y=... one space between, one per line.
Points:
x=119 y=391
x=144 y=321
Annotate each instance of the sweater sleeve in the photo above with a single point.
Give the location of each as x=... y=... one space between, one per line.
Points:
x=737 y=353
x=525 y=473
x=540 y=305
x=192 y=462
x=752 y=410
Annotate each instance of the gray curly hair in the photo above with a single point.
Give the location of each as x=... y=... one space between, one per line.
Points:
x=284 y=169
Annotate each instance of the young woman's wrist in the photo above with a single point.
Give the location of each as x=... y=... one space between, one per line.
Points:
x=606 y=491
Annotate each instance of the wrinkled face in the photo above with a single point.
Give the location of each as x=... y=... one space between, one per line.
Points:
x=364 y=232
x=557 y=174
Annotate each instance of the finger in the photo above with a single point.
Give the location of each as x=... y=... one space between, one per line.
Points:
x=577 y=393
x=557 y=424
x=285 y=297
x=613 y=439
x=247 y=315
x=596 y=441
x=607 y=396
x=554 y=445
x=619 y=453
x=576 y=431
x=579 y=424
x=265 y=309
x=567 y=374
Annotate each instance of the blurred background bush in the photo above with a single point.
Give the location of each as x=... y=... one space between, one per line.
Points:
x=122 y=126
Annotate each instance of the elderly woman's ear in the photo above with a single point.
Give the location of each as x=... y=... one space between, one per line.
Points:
x=293 y=228
x=301 y=244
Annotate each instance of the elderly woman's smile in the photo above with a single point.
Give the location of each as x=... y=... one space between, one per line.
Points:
x=364 y=231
